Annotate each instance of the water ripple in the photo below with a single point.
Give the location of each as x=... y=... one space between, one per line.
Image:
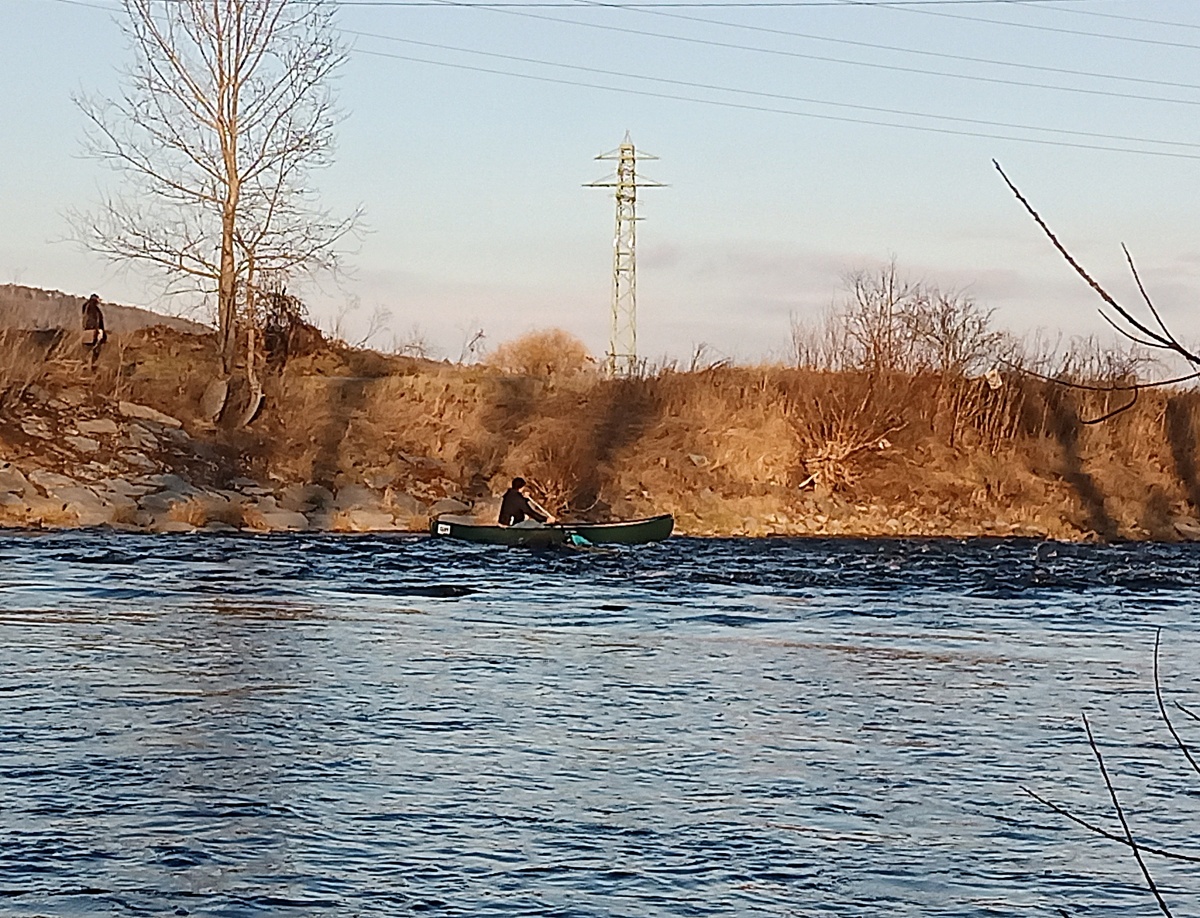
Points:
x=316 y=725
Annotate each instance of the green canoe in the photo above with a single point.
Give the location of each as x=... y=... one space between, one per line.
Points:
x=626 y=532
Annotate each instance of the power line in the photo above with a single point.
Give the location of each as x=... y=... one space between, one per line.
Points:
x=652 y=9
x=1060 y=30
x=773 y=95
x=780 y=111
x=874 y=65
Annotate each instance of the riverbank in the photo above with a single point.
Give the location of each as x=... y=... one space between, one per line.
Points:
x=352 y=440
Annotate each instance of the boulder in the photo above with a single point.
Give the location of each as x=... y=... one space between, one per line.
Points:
x=146 y=413
x=102 y=427
x=218 y=526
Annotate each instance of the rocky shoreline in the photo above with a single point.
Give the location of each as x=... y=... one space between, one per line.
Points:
x=98 y=462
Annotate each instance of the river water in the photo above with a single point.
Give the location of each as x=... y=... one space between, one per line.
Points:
x=235 y=726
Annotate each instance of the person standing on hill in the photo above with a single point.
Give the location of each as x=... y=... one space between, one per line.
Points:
x=93 y=322
x=515 y=506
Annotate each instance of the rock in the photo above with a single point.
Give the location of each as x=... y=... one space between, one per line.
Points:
x=74 y=397
x=102 y=427
x=13 y=480
x=449 y=505
x=48 y=511
x=403 y=504
x=122 y=487
x=83 y=444
x=212 y=402
x=36 y=427
x=162 y=501
x=137 y=460
x=305 y=497
x=283 y=520
x=139 y=437
x=89 y=508
x=379 y=480
x=242 y=484
x=167 y=481
x=368 y=520
x=356 y=497
x=172 y=526
x=698 y=460
x=1188 y=528
x=218 y=526
x=146 y=413
x=322 y=520
x=49 y=481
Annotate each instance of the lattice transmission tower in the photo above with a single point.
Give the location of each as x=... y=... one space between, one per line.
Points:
x=622 y=347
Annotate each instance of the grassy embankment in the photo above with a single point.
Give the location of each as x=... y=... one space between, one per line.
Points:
x=728 y=450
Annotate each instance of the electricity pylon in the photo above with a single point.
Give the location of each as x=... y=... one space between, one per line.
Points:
x=622 y=346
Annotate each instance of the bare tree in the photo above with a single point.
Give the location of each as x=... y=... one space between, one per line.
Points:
x=225 y=112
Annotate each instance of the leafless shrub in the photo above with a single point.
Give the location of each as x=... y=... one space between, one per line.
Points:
x=886 y=324
x=837 y=418
x=543 y=353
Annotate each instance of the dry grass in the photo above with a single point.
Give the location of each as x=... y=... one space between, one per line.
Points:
x=727 y=449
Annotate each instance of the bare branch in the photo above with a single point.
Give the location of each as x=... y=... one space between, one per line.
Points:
x=1133 y=845
x=1162 y=708
x=1111 y=836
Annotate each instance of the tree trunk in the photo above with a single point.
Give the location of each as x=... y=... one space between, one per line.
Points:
x=227 y=287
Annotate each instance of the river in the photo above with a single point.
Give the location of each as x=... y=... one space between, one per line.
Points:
x=321 y=725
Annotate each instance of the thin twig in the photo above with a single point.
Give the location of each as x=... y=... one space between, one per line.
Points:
x=1079 y=269
x=1112 y=414
x=1146 y=298
x=1111 y=836
x=1162 y=709
x=1115 y=387
x=1112 y=793
x=1190 y=713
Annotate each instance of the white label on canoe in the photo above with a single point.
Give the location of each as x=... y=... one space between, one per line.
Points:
x=443 y=528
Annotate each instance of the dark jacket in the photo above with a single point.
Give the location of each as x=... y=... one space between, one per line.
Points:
x=514 y=507
x=93 y=318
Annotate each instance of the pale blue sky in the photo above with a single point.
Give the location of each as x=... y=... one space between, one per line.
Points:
x=472 y=181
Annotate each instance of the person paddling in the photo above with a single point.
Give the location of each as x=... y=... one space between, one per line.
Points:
x=515 y=506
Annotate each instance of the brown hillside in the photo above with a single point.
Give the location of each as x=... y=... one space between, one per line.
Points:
x=32 y=308
x=748 y=451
